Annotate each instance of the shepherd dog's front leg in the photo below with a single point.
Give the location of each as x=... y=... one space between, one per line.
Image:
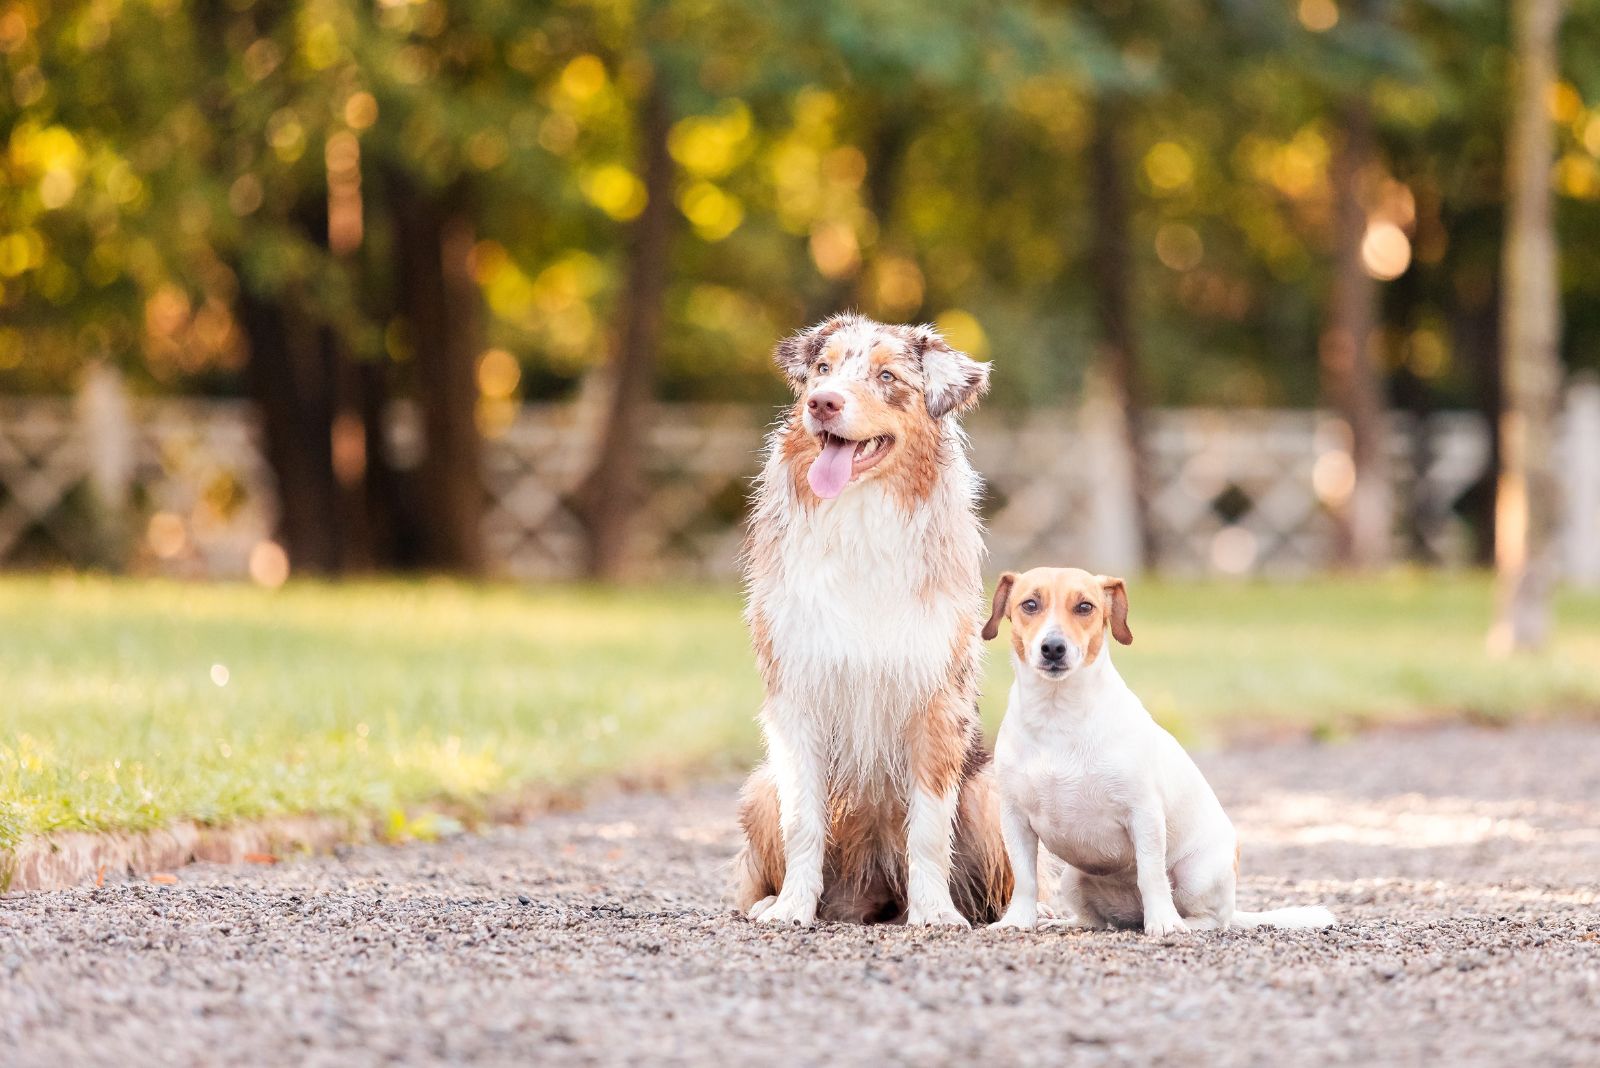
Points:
x=939 y=741
x=800 y=773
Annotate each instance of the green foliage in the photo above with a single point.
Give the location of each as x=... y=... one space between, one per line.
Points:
x=131 y=704
x=162 y=156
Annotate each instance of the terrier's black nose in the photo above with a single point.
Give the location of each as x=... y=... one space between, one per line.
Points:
x=1053 y=650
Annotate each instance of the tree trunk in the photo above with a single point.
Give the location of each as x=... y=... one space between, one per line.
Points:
x=297 y=371
x=1528 y=502
x=434 y=240
x=613 y=489
x=1475 y=334
x=1111 y=277
x=290 y=376
x=885 y=152
x=1351 y=382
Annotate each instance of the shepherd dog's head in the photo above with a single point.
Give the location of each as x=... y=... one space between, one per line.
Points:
x=872 y=401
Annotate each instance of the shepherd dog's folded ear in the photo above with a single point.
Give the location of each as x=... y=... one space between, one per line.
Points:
x=953 y=381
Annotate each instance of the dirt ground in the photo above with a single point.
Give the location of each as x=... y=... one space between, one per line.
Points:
x=1463 y=864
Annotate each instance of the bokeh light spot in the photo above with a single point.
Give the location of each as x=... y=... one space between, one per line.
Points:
x=361 y=110
x=1233 y=550
x=583 y=77
x=167 y=535
x=962 y=329
x=1178 y=246
x=1318 y=16
x=615 y=190
x=1169 y=166
x=1385 y=251
x=269 y=565
x=498 y=374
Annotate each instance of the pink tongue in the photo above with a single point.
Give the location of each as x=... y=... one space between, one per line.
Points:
x=830 y=471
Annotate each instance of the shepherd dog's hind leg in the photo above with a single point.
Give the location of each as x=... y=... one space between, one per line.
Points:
x=980 y=876
x=758 y=869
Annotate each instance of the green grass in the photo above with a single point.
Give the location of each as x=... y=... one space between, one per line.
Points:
x=372 y=697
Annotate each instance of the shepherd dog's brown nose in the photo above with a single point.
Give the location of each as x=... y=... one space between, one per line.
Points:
x=825 y=405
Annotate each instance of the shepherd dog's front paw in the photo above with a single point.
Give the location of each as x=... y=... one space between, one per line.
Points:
x=792 y=910
x=941 y=915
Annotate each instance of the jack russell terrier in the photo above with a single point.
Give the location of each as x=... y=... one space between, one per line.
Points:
x=1082 y=768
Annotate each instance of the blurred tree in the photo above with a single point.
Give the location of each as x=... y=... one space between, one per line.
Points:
x=1352 y=379
x=1527 y=536
x=391 y=223
x=1369 y=244
x=610 y=495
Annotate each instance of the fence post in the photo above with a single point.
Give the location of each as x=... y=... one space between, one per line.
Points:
x=105 y=422
x=1113 y=540
x=1581 y=516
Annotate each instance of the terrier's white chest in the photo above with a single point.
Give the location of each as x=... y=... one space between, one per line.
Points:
x=1078 y=807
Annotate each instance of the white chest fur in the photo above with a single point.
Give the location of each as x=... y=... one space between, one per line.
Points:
x=855 y=604
x=867 y=604
x=1080 y=760
x=1077 y=802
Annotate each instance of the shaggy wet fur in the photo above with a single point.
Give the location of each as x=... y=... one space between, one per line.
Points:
x=864 y=612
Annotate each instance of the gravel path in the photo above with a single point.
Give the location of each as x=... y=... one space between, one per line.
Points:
x=1463 y=864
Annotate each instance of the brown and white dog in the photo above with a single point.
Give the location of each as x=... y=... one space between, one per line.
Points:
x=1086 y=772
x=862 y=569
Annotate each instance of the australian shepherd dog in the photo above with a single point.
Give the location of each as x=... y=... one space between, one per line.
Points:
x=862 y=566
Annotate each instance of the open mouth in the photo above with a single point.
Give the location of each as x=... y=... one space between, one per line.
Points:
x=842 y=460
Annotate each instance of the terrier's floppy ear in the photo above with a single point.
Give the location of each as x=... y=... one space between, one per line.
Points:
x=953 y=380
x=1002 y=597
x=796 y=353
x=1117 y=594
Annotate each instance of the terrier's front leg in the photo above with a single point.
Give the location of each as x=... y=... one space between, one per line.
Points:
x=1022 y=846
x=1148 y=827
x=803 y=812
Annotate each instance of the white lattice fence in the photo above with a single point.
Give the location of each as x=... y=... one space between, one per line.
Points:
x=1231 y=491
x=698 y=461
x=190 y=478
x=44 y=472
x=201 y=463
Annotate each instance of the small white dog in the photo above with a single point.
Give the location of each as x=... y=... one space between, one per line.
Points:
x=1083 y=769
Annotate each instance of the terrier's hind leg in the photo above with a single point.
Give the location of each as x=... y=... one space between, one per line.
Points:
x=1076 y=903
x=1204 y=884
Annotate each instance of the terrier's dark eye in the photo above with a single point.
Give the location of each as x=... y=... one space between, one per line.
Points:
x=1084 y=608
x=1030 y=606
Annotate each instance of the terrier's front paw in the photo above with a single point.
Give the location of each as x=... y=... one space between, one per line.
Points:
x=785 y=909
x=942 y=915
x=1017 y=919
x=1166 y=922
x=760 y=907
